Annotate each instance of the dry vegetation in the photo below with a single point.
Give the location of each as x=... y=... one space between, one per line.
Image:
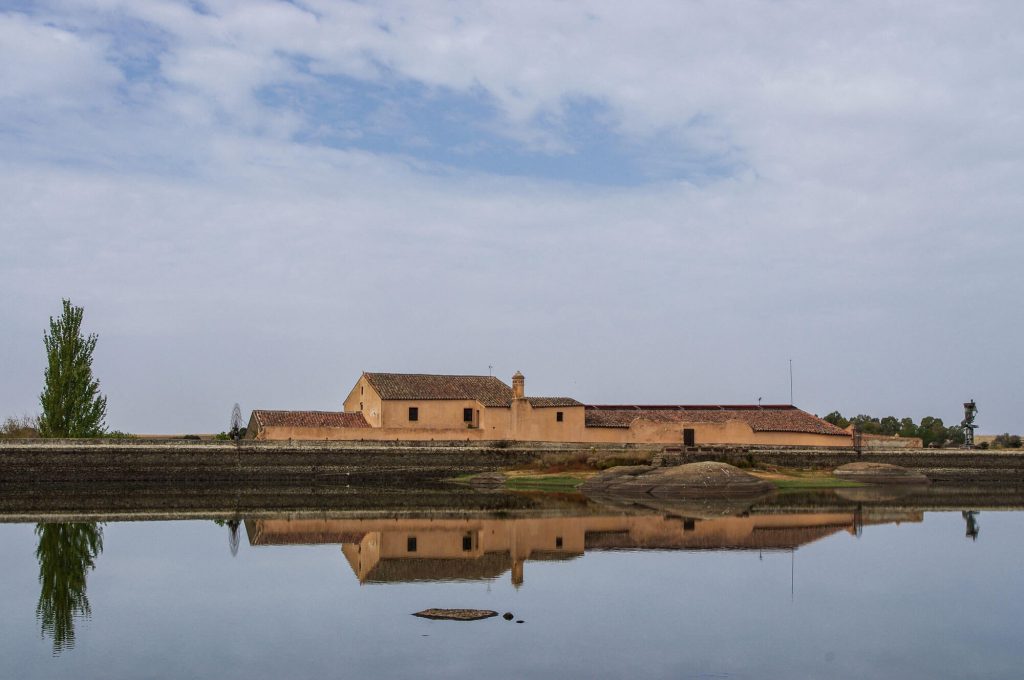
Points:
x=19 y=427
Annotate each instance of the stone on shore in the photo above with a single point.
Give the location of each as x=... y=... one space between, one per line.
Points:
x=879 y=473
x=456 y=614
x=693 y=480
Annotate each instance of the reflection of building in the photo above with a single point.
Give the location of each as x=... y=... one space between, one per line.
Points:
x=398 y=550
x=399 y=406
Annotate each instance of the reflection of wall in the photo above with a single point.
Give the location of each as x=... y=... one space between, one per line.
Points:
x=387 y=550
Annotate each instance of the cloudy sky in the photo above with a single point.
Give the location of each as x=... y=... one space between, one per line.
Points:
x=630 y=202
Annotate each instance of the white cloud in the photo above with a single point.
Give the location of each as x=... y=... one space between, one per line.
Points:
x=870 y=229
x=47 y=64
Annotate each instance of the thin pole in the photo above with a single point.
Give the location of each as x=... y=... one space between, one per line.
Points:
x=790 y=382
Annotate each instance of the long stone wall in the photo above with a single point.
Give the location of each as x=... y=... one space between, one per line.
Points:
x=38 y=460
x=61 y=460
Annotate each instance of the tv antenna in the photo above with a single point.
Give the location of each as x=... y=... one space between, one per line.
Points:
x=790 y=382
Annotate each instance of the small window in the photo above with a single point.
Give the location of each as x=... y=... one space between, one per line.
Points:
x=414 y=413
x=467 y=542
x=688 y=437
x=689 y=525
x=467 y=415
x=360 y=406
x=360 y=389
x=558 y=542
x=410 y=544
x=559 y=416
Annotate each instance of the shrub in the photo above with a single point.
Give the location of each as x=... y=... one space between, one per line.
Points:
x=19 y=428
x=1007 y=441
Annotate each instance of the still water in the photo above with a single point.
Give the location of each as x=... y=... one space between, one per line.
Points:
x=788 y=593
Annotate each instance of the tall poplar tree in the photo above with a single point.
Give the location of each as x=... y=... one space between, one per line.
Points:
x=71 y=399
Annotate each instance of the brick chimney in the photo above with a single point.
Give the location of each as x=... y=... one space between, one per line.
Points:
x=518 y=385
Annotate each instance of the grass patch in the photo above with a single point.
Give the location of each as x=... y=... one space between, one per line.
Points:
x=814 y=483
x=554 y=483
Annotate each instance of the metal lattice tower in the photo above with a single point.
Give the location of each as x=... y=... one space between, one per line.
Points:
x=970 y=412
x=235 y=431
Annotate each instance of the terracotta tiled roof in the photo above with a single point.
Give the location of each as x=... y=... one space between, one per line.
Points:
x=767 y=418
x=309 y=419
x=552 y=402
x=485 y=389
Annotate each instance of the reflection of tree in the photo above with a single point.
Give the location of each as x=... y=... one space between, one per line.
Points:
x=66 y=553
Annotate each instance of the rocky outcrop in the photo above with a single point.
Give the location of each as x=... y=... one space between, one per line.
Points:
x=456 y=614
x=693 y=480
x=879 y=473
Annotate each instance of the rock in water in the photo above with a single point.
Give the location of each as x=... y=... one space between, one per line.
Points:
x=693 y=480
x=456 y=614
x=879 y=473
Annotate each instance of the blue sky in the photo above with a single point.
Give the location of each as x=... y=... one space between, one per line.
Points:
x=257 y=200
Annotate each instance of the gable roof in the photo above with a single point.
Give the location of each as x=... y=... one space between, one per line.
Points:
x=485 y=389
x=552 y=402
x=309 y=419
x=766 y=418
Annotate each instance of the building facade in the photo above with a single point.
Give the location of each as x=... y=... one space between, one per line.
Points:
x=419 y=407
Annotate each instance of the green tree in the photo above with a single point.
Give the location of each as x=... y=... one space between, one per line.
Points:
x=932 y=431
x=837 y=419
x=867 y=424
x=71 y=399
x=889 y=426
x=66 y=553
x=908 y=428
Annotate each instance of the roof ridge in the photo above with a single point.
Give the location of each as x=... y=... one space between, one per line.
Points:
x=435 y=375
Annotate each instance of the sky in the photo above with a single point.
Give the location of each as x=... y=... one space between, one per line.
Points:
x=651 y=202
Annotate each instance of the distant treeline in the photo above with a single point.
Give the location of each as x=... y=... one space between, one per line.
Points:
x=932 y=431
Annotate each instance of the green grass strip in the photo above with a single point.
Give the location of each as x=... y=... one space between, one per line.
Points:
x=815 y=483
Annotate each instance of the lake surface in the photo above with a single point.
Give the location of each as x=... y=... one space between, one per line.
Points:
x=803 y=592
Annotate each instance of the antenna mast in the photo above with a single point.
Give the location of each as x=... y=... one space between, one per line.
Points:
x=790 y=382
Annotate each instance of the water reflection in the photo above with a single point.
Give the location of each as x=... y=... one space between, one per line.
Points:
x=233 y=537
x=971 y=517
x=446 y=549
x=66 y=553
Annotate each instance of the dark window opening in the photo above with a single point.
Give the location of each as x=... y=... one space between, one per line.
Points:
x=558 y=541
x=688 y=437
x=410 y=544
x=689 y=524
x=559 y=416
x=467 y=415
x=467 y=542
x=360 y=406
x=414 y=413
x=360 y=389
